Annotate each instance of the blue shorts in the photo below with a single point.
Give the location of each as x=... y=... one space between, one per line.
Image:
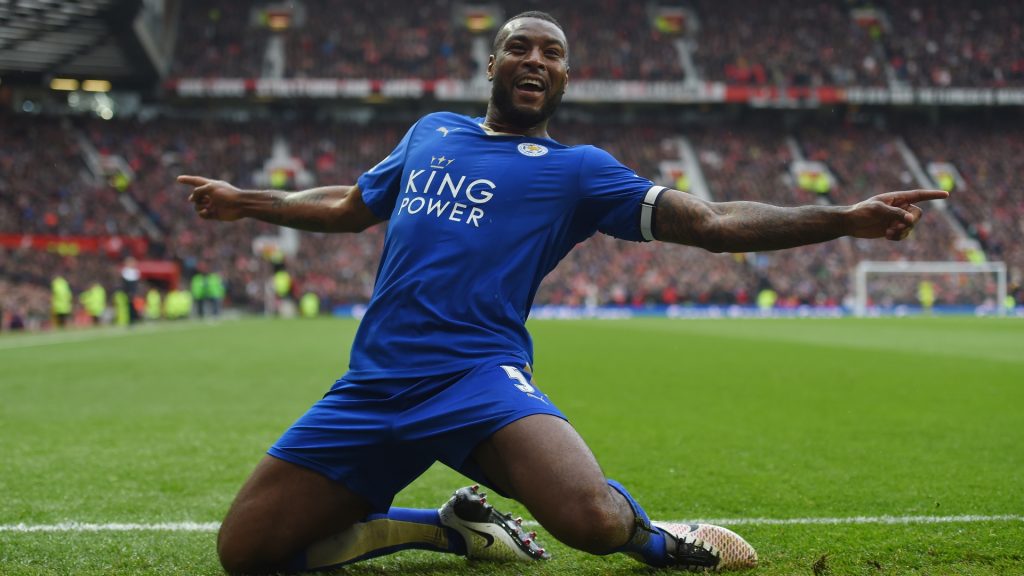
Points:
x=377 y=437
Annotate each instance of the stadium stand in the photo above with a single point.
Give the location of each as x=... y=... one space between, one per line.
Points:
x=950 y=43
x=737 y=164
x=391 y=39
x=988 y=200
x=159 y=150
x=216 y=40
x=68 y=175
x=25 y=276
x=45 y=188
x=381 y=40
x=792 y=43
x=611 y=39
x=866 y=161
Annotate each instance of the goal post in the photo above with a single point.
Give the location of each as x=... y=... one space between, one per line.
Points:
x=868 y=267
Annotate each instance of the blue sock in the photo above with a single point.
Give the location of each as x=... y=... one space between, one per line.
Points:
x=647 y=544
x=379 y=535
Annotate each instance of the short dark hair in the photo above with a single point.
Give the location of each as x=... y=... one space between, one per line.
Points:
x=528 y=14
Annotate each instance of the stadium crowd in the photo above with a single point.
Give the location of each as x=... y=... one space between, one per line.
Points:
x=218 y=39
x=949 y=43
x=382 y=40
x=45 y=188
x=989 y=200
x=737 y=161
x=790 y=43
x=611 y=40
x=393 y=39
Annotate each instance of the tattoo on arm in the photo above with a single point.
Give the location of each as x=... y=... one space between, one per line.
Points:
x=679 y=219
x=296 y=199
x=303 y=210
x=743 y=226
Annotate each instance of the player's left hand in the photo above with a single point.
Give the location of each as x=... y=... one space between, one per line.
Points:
x=891 y=215
x=214 y=199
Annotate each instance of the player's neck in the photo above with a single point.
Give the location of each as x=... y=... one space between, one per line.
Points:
x=495 y=123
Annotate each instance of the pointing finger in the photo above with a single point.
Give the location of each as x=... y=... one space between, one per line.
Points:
x=911 y=196
x=193 y=180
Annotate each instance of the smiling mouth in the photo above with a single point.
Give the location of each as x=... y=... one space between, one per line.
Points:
x=530 y=85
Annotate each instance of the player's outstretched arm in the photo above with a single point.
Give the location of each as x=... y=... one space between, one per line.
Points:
x=751 y=226
x=325 y=209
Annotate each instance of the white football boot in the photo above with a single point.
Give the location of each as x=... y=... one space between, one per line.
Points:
x=489 y=535
x=706 y=547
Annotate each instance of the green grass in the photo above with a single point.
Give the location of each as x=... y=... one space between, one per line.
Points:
x=701 y=419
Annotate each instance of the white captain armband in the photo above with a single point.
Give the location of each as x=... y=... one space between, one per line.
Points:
x=647 y=212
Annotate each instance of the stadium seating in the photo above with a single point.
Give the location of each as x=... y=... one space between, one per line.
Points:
x=737 y=162
x=990 y=204
x=611 y=39
x=393 y=39
x=950 y=43
x=47 y=186
x=215 y=39
x=25 y=276
x=792 y=42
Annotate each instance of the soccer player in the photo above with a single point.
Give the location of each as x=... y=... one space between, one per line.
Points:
x=479 y=211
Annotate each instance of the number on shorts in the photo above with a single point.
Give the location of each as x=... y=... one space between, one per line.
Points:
x=516 y=376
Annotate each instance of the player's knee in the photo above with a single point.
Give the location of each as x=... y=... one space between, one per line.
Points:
x=240 y=555
x=602 y=531
x=234 y=557
x=595 y=524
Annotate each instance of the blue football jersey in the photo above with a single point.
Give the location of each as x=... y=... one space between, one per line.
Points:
x=476 y=220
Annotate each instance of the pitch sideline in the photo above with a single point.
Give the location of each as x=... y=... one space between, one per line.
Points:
x=851 y=520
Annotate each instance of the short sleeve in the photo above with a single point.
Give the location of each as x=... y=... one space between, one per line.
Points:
x=615 y=196
x=380 y=185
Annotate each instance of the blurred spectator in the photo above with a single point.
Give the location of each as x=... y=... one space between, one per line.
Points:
x=739 y=161
x=991 y=204
x=396 y=39
x=610 y=39
x=786 y=43
x=949 y=43
x=45 y=187
x=216 y=40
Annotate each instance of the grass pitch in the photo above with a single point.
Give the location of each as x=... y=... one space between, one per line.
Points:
x=821 y=420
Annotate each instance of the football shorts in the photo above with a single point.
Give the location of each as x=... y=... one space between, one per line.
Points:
x=376 y=437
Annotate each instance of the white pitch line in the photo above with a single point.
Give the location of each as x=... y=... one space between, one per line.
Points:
x=862 y=520
x=113 y=527
x=213 y=526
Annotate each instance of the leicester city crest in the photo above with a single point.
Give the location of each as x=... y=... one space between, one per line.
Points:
x=531 y=149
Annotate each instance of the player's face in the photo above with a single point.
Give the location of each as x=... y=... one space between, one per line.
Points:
x=529 y=71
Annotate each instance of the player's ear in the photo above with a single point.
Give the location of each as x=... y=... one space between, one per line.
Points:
x=490 y=67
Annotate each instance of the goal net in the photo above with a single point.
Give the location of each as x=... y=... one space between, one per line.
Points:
x=894 y=287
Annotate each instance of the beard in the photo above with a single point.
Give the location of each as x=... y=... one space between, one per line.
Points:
x=501 y=95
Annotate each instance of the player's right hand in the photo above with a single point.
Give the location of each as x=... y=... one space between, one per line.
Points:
x=213 y=199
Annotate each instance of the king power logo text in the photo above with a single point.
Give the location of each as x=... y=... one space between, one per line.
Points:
x=437 y=191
